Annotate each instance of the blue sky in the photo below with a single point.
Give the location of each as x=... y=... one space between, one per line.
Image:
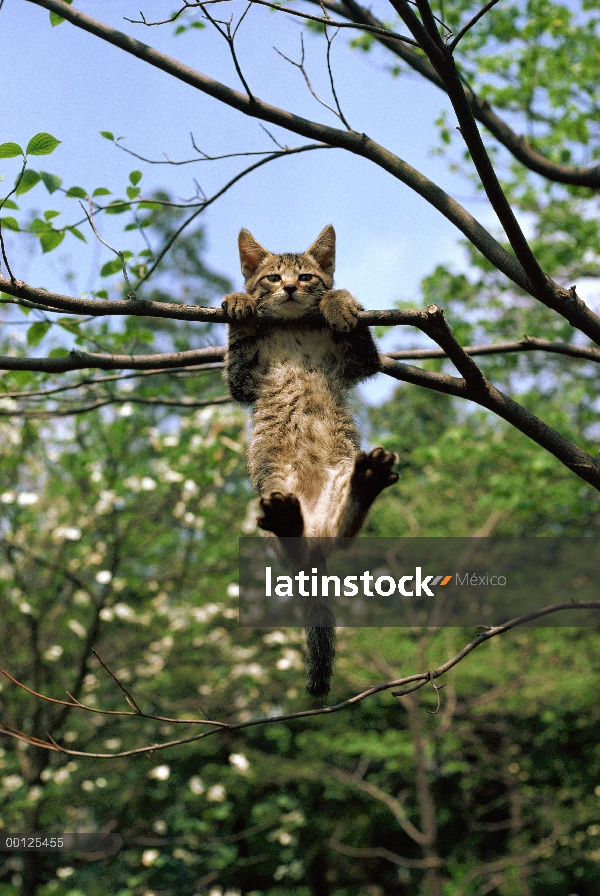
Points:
x=73 y=85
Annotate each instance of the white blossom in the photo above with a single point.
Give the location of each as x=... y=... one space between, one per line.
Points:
x=196 y=785
x=27 y=498
x=239 y=761
x=77 y=627
x=12 y=782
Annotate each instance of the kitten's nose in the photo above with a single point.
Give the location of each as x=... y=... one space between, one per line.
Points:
x=290 y=290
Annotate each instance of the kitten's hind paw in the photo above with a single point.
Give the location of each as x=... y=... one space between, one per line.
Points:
x=372 y=473
x=281 y=514
x=239 y=305
x=340 y=309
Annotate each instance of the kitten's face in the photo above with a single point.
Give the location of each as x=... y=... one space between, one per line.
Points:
x=288 y=285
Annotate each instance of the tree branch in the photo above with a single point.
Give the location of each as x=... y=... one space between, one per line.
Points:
x=359 y=144
x=568 y=453
x=408 y=684
x=76 y=360
x=526 y=344
x=75 y=410
x=524 y=152
x=394 y=805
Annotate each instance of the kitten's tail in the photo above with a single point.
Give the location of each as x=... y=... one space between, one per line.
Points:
x=317 y=614
x=319 y=623
x=320 y=645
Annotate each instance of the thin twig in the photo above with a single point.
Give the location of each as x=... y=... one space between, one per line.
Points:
x=469 y=25
x=371 y=29
x=93 y=381
x=117 y=399
x=300 y=65
x=6 y=198
x=120 y=256
x=409 y=684
x=331 y=81
x=206 y=203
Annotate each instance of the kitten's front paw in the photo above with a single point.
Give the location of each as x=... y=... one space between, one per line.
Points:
x=239 y=305
x=340 y=309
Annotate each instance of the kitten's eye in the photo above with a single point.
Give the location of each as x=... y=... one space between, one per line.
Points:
x=305 y=277
x=273 y=278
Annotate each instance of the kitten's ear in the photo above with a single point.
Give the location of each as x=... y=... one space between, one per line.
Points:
x=251 y=253
x=323 y=250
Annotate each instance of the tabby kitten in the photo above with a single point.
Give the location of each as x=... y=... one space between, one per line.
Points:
x=303 y=455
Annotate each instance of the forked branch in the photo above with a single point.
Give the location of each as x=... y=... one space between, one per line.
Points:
x=407 y=685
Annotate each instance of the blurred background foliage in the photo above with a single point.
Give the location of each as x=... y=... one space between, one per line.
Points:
x=119 y=533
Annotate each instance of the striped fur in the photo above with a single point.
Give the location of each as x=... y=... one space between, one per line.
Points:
x=303 y=456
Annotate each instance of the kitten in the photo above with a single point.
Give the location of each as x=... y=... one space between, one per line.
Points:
x=304 y=455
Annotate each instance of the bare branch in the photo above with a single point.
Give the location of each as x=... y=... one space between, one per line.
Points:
x=76 y=360
x=300 y=65
x=380 y=852
x=4 y=200
x=394 y=805
x=469 y=25
x=207 y=202
x=76 y=704
x=378 y=30
x=523 y=151
x=360 y=144
x=527 y=344
x=408 y=684
x=568 y=453
x=230 y=38
x=93 y=381
x=90 y=216
x=331 y=79
x=74 y=410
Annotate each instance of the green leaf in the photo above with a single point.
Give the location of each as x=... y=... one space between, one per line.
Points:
x=8 y=203
x=76 y=232
x=101 y=191
x=55 y=19
x=11 y=223
x=30 y=179
x=58 y=352
x=111 y=267
x=155 y=206
x=101 y=294
x=37 y=331
x=135 y=177
x=51 y=239
x=117 y=207
x=23 y=378
x=39 y=226
x=9 y=150
x=132 y=192
x=107 y=135
x=50 y=214
x=51 y=181
x=70 y=324
x=77 y=192
x=42 y=145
